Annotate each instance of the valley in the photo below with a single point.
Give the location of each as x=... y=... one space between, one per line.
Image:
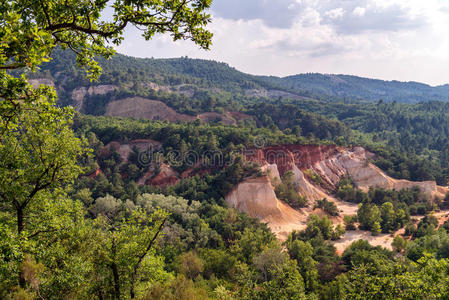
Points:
x=238 y=99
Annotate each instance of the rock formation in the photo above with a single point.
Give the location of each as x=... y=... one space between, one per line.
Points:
x=141 y=108
x=256 y=197
x=330 y=163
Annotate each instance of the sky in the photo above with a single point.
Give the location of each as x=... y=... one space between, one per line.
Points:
x=405 y=40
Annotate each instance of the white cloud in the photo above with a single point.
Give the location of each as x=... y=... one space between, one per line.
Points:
x=279 y=13
x=335 y=13
x=359 y=11
x=390 y=39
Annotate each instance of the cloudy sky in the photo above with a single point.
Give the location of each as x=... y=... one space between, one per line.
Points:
x=405 y=40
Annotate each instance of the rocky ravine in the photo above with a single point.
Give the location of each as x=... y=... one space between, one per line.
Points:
x=257 y=198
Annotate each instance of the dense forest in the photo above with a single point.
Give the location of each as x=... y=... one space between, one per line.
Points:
x=78 y=222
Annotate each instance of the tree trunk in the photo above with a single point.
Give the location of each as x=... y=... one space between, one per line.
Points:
x=115 y=270
x=132 y=291
x=19 y=220
x=19 y=231
x=116 y=280
x=136 y=267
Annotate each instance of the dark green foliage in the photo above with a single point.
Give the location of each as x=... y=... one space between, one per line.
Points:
x=288 y=192
x=383 y=218
x=369 y=217
x=209 y=250
x=293 y=116
x=426 y=226
x=319 y=227
x=383 y=210
x=436 y=243
x=302 y=252
x=329 y=207
x=350 y=222
x=362 y=253
x=399 y=243
x=346 y=191
x=318 y=232
x=411 y=140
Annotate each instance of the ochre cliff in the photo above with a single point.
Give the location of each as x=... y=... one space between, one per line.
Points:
x=256 y=197
x=331 y=163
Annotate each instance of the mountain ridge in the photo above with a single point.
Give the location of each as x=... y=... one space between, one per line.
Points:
x=220 y=77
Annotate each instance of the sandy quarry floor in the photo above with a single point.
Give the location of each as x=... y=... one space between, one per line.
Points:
x=347 y=208
x=383 y=240
x=351 y=236
x=287 y=221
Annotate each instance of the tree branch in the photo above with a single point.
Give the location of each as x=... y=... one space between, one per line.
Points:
x=12 y=66
x=150 y=245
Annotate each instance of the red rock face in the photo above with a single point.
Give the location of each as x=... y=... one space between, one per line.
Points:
x=190 y=172
x=95 y=174
x=285 y=156
x=162 y=180
x=109 y=148
x=166 y=176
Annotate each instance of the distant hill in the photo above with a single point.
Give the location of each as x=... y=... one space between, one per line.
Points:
x=196 y=77
x=189 y=86
x=353 y=87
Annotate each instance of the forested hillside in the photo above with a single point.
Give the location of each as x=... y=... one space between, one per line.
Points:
x=211 y=75
x=347 y=88
x=411 y=139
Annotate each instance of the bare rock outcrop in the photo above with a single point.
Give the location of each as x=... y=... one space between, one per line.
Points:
x=256 y=197
x=79 y=94
x=102 y=89
x=271 y=94
x=38 y=81
x=141 y=108
x=156 y=87
x=355 y=163
x=166 y=176
x=124 y=149
x=330 y=163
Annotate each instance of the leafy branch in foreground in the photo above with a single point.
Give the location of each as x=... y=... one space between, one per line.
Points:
x=126 y=248
x=31 y=28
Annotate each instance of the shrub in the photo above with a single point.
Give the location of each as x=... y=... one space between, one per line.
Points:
x=399 y=244
x=287 y=192
x=350 y=222
x=313 y=176
x=328 y=206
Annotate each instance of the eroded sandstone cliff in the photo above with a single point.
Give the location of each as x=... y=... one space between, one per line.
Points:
x=329 y=164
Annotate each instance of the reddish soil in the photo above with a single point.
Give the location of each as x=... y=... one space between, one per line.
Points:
x=284 y=156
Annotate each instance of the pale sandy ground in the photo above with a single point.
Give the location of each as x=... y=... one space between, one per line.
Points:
x=383 y=240
x=351 y=236
x=287 y=221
